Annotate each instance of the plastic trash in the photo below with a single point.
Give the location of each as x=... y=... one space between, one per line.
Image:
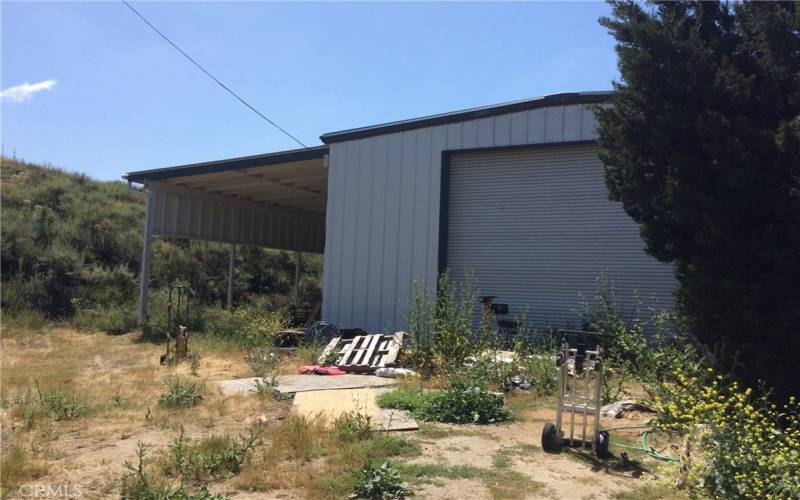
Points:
x=394 y=372
x=321 y=370
x=519 y=383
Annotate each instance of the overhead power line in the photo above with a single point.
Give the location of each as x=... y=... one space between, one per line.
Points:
x=231 y=92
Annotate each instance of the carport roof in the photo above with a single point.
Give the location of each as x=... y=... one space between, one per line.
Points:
x=243 y=162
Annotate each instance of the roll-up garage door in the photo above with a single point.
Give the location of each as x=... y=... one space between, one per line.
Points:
x=535 y=228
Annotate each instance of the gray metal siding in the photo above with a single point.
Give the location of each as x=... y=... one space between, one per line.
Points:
x=380 y=240
x=183 y=213
x=536 y=228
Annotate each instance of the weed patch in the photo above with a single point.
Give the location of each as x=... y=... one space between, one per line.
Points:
x=140 y=482
x=61 y=403
x=379 y=483
x=212 y=457
x=502 y=482
x=352 y=426
x=402 y=399
x=384 y=445
x=429 y=471
x=458 y=404
x=181 y=394
x=464 y=405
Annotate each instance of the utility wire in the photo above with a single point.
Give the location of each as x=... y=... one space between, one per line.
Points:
x=231 y=92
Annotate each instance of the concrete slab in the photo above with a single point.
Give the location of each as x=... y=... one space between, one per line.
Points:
x=304 y=383
x=333 y=403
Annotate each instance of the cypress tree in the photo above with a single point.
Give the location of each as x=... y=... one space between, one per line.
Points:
x=701 y=145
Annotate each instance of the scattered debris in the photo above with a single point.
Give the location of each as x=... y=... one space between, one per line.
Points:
x=318 y=332
x=618 y=408
x=392 y=372
x=493 y=356
x=357 y=351
x=518 y=383
x=289 y=338
x=321 y=370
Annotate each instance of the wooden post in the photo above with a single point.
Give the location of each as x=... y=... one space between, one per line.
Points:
x=296 y=290
x=231 y=263
x=144 y=274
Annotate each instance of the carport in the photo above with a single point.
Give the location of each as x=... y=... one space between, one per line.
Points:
x=275 y=200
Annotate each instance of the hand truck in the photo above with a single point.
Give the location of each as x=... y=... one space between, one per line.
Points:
x=580 y=380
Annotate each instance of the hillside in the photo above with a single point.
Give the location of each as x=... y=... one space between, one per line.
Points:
x=71 y=249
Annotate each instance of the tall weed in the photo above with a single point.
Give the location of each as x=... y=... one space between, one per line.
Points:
x=441 y=325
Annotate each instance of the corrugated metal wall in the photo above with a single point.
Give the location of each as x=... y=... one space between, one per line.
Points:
x=383 y=206
x=535 y=228
x=185 y=214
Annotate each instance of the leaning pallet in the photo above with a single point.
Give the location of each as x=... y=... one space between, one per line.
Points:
x=363 y=352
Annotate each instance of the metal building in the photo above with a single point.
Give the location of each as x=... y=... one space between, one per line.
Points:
x=512 y=193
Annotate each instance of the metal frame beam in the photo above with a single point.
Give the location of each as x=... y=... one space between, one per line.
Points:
x=144 y=274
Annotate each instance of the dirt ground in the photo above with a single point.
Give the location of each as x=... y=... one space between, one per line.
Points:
x=121 y=380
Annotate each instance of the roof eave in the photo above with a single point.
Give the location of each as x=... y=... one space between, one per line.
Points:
x=468 y=114
x=229 y=164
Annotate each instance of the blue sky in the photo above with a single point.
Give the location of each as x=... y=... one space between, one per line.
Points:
x=125 y=100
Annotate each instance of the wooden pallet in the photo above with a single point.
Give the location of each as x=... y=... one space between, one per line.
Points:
x=360 y=352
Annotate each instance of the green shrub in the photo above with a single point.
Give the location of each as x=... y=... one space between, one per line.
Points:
x=458 y=404
x=352 y=426
x=181 y=394
x=22 y=293
x=72 y=245
x=115 y=319
x=402 y=399
x=494 y=369
x=440 y=324
x=264 y=364
x=379 y=483
x=61 y=403
x=156 y=325
x=540 y=370
x=29 y=320
x=647 y=349
x=140 y=482
x=461 y=404
x=214 y=456
x=251 y=327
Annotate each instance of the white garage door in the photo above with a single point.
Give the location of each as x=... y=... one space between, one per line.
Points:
x=535 y=227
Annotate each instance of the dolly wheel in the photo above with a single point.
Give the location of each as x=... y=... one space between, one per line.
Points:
x=550 y=438
x=601 y=446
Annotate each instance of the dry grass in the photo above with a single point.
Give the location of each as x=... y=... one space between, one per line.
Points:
x=18 y=467
x=119 y=380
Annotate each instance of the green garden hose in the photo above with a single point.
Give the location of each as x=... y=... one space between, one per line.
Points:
x=650 y=451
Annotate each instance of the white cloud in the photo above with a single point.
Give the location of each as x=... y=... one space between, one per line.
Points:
x=25 y=91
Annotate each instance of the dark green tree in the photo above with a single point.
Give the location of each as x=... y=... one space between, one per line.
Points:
x=702 y=147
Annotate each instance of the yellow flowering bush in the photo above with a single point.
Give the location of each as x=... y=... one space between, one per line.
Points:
x=748 y=447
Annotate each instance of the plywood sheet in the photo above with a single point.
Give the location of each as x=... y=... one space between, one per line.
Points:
x=333 y=403
x=303 y=383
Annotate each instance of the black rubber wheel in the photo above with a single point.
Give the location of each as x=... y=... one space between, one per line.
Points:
x=550 y=441
x=601 y=446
